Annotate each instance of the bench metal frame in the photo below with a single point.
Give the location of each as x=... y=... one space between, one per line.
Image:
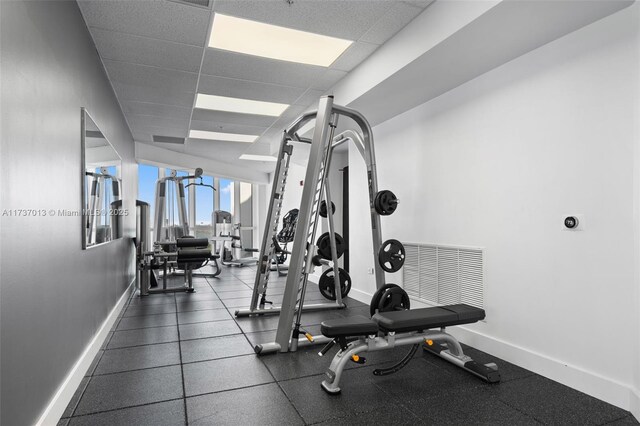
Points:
x=453 y=354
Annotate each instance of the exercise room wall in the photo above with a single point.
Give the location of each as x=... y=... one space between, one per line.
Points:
x=55 y=296
x=496 y=163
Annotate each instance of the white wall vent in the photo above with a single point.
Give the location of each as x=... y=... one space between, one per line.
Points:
x=444 y=275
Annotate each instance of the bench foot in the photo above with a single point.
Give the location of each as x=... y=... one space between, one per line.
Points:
x=328 y=388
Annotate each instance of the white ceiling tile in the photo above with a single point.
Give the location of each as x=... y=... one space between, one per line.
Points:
x=244 y=89
x=161 y=122
x=396 y=19
x=158 y=110
x=165 y=95
x=147 y=51
x=246 y=67
x=328 y=79
x=309 y=97
x=232 y=118
x=342 y=19
x=146 y=76
x=212 y=126
x=355 y=54
x=158 y=19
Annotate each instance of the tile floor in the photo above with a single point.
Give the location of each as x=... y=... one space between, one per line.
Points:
x=182 y=359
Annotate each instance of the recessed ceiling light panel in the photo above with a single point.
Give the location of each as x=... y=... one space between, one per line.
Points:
x=218 y=136
x=242 y=106
x=271 y=41
x=258 y=157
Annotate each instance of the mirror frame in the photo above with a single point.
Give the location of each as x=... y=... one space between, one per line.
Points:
x=83 y=168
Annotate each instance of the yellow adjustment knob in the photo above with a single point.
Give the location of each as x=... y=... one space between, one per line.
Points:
x=430 y=342
x=355 y=358
x=309 y=337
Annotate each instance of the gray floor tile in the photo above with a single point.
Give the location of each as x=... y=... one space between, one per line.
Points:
x=553 y=403
x=268 y=406
x=152 y=299
x=203 y=316
x=189 y=305
x=94 y=363
x=195 y=297
x=382 y=416
x=138 y=357
x=160 y=320
x=131 y=388
x=63 y=422
x=359 y=394
x=224 y=374
x=170 y=413
x=469 y=407
x=215 y=347
x=68 y=412
x=140 y=310
x=236 y=294
x=208 y=329
x=625 y=421
x=143 y=336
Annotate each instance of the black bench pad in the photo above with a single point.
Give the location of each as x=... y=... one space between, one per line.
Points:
x=427 y=318
x=352 y=326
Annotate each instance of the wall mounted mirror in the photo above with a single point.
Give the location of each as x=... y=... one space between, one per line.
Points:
x=102 y=212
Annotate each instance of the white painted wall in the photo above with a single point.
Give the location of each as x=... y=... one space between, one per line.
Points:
x=496 y=163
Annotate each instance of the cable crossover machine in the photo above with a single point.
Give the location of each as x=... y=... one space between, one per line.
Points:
x=316 y=199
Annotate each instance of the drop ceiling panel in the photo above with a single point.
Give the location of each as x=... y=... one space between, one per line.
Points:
x=147 y=51
x=342 y=19
x=213 y=126
x=245 y=67
x=328 y=79
x=164 y=95
x=355 y=54
x=157 y=110
x=395 y=19
x=161 y=122
x=157 y=19
x=232 y=118
x=223 y=86
x=309 y=97
x=219 y=150
x=146 y=76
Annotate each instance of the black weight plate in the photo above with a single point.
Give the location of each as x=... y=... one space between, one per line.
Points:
x=375 y=300
x=394 y=299
x=385 y=202
x=324 y=246
x=391 y=255
x=327 y=286
x=323 y=208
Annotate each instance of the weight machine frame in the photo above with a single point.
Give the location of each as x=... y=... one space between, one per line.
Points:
x=315 y=183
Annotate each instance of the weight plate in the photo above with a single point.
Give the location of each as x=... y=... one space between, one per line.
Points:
x=385 y=202
x=375 y=300
x=323 y=208
x=394 y=299
x=324 y=246
x=391 y=255
x=327 y=286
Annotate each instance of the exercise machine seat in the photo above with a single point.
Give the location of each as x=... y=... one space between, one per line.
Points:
x=427 y=318
x=352 y=326
x=192 y=242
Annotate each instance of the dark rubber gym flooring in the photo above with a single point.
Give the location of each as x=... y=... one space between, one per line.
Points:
x=183 y=359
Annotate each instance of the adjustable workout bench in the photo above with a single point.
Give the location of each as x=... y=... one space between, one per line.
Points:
x=380 y=332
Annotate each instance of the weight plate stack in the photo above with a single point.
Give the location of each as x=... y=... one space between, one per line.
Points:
x=324 y=246
x=327 y=286
x=391 y=255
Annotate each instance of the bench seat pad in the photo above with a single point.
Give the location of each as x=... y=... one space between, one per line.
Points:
x=352 y=326
x=427 y=318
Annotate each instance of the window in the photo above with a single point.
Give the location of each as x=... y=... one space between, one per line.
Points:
x=204 y=208
x=147 y=177
x=226 y=195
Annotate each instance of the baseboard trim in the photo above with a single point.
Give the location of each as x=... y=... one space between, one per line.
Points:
x=591 y=383
x=635 y=403
x=63 y=395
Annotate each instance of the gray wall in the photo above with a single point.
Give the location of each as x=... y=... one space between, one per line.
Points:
x=55 y=296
